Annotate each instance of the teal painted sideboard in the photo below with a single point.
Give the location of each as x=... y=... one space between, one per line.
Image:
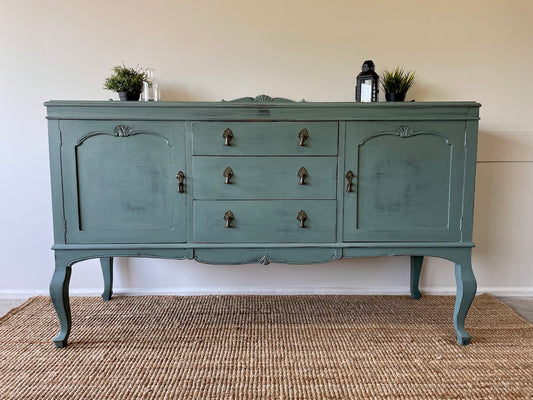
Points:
x=262 y=180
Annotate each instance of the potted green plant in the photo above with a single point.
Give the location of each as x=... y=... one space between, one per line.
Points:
x=396 y=83
x=127 y=82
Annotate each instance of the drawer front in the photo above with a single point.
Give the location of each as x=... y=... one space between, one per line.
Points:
x=265 y=177
x=264 y=221
x=265 y=138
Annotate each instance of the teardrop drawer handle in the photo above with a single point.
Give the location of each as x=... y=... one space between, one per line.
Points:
x=228 y=173
x=227 y=136
x=228 y=217
x=302 y=174
x=349 y=177
x=302 y=217
x=180 y=176
x=303 y=135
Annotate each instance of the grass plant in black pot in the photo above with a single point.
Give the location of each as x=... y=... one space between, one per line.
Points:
x=396 y=83
x=127 y=82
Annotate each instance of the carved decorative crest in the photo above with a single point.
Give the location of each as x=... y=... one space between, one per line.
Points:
x=263 y=98
x=404 y=131
x=264 y=259
x=122 y=131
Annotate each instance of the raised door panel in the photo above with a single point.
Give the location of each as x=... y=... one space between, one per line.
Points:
x=120 y=181
x=408 y=181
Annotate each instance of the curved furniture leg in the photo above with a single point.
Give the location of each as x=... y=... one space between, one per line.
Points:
x=466 y=290
x=416 y=268
x=59 y=295
x=107 y=271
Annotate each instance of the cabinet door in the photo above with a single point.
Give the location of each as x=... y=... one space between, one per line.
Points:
x=408 y=183
x=120 y=181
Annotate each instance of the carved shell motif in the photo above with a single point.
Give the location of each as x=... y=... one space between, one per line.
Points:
x=404 y=131
x=122 y=130
x=264 y=259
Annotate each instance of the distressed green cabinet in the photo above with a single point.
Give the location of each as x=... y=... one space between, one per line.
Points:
x=262 y=180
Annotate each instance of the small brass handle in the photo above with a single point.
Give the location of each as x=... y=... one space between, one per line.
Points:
x=228 y=217
x=180 y=176
x=227 y=136
x=228 y=173
x=349 y=176
x=302 y=217
x=302 y=174
x=303 y=135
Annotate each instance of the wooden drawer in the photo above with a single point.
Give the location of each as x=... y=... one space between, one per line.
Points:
x=263 y=221
x=265 y=177
x=265 y=138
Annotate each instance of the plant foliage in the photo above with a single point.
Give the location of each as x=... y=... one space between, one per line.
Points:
x=397 y=81
x=125 y=79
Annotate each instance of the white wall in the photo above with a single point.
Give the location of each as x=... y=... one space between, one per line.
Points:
x=210 y=49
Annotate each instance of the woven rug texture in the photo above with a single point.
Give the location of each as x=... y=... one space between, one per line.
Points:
x=266 y=347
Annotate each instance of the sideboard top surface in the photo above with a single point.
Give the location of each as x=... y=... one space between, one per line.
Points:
x=268 y=111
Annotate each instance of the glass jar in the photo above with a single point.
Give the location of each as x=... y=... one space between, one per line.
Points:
x=150 y=87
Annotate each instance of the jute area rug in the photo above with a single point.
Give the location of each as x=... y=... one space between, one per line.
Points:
x=266 y=347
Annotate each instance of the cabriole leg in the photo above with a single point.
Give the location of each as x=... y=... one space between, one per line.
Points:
x=107 y=271
x=416 y=268
x=466 y=290
x=59 y=295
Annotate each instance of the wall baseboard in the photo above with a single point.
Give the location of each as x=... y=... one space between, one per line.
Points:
x=199 y=291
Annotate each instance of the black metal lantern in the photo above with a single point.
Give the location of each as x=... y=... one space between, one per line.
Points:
x=367 y=83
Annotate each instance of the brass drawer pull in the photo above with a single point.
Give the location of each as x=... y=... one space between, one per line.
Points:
x=349 y=176
x=227 y=136
x=303 y=135
x=302 y=174
x=228 y=217
x=228 y=173
x=302 y=217
x=180 y=176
